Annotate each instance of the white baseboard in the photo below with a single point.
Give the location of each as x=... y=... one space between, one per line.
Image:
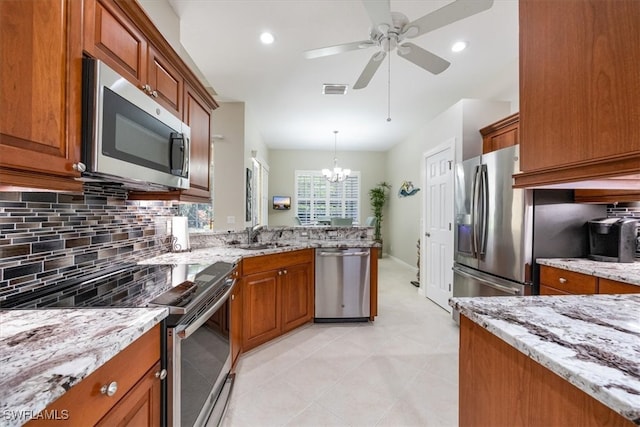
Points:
x=398 y=260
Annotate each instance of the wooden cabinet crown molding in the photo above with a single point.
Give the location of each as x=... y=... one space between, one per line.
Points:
x=501 y=124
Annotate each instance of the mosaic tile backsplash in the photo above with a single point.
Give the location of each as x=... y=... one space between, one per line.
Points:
x=47 y=236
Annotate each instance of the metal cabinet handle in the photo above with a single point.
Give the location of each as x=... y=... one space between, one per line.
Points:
x=562 y=280
x=279 y=272
x=80 y=167
x=161 y=374
x=284 y=271
x=109 y=389
x=146 y=88
x=154 y=93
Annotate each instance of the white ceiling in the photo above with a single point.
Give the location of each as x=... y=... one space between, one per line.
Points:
x=282 y=90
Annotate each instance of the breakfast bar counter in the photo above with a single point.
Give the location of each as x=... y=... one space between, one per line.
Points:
x=589 y=344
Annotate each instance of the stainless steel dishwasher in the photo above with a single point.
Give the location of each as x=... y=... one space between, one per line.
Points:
x=343 y=287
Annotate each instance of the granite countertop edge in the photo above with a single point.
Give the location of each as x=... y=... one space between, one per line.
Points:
x=43 y=353
x=234 y=253
x=514 y=332
x=622 y=272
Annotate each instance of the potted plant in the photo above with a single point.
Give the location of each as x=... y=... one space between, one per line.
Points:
x=378 y=196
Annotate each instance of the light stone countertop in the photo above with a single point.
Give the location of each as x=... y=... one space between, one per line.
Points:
x=623 y=272
x=592 y=341
x=45 y=352
x=233 y=253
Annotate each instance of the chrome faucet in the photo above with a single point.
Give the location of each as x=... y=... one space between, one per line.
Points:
x=252 y=233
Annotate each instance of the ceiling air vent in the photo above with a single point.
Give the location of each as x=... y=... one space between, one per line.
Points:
x=334 y=89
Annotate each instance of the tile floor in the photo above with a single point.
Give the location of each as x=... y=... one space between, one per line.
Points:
x=400 y=370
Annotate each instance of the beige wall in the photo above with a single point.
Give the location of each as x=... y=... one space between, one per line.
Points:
x=284 y=163
x=228 y=166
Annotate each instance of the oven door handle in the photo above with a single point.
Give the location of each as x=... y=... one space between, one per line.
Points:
x=185 y=331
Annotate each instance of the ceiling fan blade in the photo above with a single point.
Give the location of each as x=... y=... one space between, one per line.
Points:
x=339 y=48
x=379 y=12
x=446 y=15
x=423 y=58
x=370 y=70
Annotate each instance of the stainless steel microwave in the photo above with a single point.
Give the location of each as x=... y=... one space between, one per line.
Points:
x=127 y=137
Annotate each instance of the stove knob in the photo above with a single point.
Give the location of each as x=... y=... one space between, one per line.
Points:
x=110 y=389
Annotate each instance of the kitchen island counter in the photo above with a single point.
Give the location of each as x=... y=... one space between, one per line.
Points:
x=43 y=353
x=591 y=341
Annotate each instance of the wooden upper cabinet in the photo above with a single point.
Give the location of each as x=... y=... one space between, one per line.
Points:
x=197 y=115
x=112 y=38
x=579 y=90
x=40 y=83
x=502 y=134
x=119 y=33
x=165 y=81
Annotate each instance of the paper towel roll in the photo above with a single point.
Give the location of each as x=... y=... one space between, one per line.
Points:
x=180 y=233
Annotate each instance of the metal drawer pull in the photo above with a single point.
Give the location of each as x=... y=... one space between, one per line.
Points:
x=110 y=389
x=562 y=280
x=161 y=374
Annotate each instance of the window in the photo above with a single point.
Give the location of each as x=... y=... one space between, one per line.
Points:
x=317 y=198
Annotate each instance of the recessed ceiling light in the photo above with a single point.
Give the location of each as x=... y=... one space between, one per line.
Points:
x=458 y=46
x=266 y=38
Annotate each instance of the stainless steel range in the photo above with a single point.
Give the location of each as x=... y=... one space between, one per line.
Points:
x=198 y=346
x=196 y=349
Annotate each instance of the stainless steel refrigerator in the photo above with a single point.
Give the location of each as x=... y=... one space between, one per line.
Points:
x=500 y=231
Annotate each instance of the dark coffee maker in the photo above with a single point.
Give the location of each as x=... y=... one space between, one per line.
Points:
x=613 y=239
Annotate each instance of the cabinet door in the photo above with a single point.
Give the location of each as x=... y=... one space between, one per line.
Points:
x=40 y=83
x=141 y=406
x=297 y=296
x=112 y=38
x=606 y=286
x=197 y=115
x=166 y=82
x=260 y=309
x=236 y=322
x=567 y=281
x=579 y=90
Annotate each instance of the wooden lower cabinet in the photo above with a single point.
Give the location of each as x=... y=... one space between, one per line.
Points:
x=136 y=402
x=277 y=295
x=607 y=286
x=554 y=281
x=235 y=318
x=557 y=281
x=500 y=386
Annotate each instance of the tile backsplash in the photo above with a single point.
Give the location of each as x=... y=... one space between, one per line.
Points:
x=47 y=236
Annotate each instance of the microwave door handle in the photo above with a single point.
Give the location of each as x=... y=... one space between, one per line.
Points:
x=176 y=142
x=185 y=160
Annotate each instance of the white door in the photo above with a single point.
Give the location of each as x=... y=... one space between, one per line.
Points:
x=438 y=225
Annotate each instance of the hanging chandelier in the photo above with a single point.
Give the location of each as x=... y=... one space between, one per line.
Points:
x=337 y=174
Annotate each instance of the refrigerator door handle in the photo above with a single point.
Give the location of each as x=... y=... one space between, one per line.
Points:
x=474 y=211
x=489 y=283
x=484 y=219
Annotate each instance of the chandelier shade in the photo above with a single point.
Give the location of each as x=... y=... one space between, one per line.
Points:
x=337 y=174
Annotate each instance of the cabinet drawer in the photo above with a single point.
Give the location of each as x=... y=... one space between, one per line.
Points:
x=606 y=286
x=262 y=263
x=548 y=290
x=568 y=281
x=84 y=402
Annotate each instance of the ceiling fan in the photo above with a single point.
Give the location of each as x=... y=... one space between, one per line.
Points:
x=390 y=29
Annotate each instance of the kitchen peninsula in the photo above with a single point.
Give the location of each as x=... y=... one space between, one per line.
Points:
x=550 y=360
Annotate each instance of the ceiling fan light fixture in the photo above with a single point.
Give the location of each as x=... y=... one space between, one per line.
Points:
x=459 y=46
x=267 y=38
